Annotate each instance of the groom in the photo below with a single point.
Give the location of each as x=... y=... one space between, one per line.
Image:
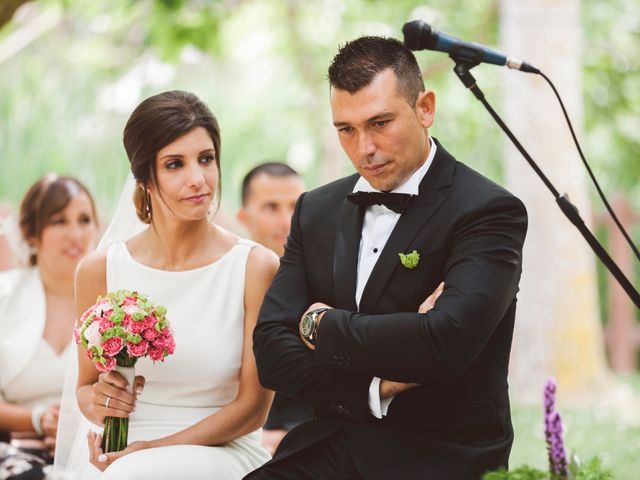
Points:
x=398 y=393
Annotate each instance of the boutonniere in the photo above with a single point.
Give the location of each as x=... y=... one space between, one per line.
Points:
x=409 y=260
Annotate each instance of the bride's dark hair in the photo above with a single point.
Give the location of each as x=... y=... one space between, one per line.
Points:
x=154 y=124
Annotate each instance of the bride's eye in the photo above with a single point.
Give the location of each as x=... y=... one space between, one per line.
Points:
x=173 y=164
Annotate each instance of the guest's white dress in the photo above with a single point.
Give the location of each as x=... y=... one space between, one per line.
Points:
x=206 y=309
x=31 y=372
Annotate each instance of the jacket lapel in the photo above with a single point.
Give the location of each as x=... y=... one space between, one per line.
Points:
x=410 y=223
x=345 y=258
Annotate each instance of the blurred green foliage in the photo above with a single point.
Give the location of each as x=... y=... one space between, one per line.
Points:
x=261 y=66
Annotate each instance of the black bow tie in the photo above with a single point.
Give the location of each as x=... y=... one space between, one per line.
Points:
x=393 y=201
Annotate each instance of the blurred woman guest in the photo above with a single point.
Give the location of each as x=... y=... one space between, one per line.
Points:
x=57 y=220
x=6 y=261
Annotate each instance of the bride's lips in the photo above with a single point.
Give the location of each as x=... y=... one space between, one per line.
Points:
x=197 y=198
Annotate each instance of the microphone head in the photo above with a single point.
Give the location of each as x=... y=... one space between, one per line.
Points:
x=418 y=35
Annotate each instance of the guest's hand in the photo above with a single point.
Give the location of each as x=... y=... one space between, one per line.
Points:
x=50 y=443
x=314 y=306
x=49 y=420
x=110 y=397
x=430 y=302
x=102 y=460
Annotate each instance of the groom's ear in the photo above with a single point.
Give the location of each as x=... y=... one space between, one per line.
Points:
x=426 y=108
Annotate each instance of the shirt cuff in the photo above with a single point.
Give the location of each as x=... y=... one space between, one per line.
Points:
x=378 y=407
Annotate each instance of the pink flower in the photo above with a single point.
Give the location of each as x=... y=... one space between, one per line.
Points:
x=165 y=342
x=92 y=334
x=136 y=326
x=156 y=354
x=103 y=307
x=113 y=346
x=137 y=350
x=150 y=333
x=105 y=324
x=130 y=301
x=108 y=365
x=76 y=335
x=150 y=321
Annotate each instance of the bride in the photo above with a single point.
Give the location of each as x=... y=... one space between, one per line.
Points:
x=197 y=414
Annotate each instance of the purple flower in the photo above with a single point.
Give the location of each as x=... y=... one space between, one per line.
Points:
x=553 y=432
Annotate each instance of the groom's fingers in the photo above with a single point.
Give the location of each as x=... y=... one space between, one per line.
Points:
x=430 y=301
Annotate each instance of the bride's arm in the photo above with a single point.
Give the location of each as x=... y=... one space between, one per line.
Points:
x=94 y=388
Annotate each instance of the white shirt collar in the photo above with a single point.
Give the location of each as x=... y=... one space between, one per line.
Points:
x=412 y=185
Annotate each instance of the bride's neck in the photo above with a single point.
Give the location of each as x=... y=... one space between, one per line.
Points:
x=179 y=244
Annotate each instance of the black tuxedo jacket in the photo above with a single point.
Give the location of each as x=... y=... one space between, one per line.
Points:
x=469 y=232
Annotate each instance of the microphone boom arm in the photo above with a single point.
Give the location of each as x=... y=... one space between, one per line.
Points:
x=463 y=65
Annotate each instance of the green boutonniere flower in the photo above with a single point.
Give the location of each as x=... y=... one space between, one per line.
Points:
x=409 y=260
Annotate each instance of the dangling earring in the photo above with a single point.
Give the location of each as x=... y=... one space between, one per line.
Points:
x=147 y=204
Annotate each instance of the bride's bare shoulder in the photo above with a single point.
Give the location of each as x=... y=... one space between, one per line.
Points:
x=91 y=274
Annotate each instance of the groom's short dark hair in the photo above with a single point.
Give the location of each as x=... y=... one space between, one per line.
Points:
x=358 y=62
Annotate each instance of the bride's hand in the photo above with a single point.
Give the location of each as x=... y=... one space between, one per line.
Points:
x=102 y=460
x=110 y=397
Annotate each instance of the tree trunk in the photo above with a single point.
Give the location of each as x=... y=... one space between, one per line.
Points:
x=558 y=331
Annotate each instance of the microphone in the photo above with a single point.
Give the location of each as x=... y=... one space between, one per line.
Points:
x=419 y=35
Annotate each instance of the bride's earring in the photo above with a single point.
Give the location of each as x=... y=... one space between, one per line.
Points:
x=147 y=204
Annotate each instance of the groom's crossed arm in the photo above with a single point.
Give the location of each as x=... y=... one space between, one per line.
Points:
x=481 y=280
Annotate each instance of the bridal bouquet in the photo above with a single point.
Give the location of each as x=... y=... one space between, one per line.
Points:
x=118 y=330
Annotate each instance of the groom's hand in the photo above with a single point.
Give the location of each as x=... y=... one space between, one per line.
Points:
x=314 y=306
x=390 y=389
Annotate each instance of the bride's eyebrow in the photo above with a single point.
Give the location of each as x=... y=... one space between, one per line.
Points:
x=171 y=155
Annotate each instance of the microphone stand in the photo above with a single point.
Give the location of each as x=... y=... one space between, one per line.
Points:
x=461 y=69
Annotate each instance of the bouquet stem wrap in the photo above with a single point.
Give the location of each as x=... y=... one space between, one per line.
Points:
x=116 y=429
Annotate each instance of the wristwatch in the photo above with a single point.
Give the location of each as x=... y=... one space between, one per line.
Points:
x=309 y=325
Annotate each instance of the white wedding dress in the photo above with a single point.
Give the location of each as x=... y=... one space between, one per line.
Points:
x=206 y=309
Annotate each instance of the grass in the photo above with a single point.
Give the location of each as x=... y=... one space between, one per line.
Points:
x=608 y=426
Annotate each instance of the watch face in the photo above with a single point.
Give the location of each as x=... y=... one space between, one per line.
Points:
x=306 y=327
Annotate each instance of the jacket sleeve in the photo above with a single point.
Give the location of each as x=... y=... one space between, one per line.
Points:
x=284 y=363
x=481 y=281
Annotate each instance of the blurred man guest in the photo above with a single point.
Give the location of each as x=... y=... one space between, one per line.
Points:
x=403 y=387
x=269 y=194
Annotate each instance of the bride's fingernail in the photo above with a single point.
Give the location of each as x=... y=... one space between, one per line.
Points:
x=102 y=458
x=138 y=390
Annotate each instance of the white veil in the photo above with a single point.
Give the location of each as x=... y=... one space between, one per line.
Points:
x=71 y=460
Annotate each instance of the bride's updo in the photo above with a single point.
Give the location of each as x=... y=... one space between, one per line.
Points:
x=154 y=124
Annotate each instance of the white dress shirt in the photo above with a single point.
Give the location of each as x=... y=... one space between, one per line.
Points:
x=379 y=222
